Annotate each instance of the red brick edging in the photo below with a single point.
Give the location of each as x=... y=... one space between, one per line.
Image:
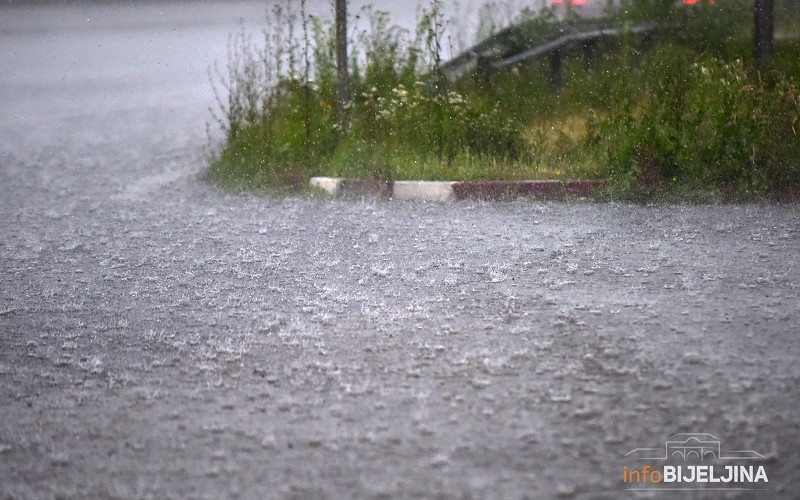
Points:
x=549 y=190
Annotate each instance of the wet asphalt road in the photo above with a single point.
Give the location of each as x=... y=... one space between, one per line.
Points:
x=159 y=339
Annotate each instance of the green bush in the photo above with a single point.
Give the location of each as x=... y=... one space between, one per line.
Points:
x=703 y=125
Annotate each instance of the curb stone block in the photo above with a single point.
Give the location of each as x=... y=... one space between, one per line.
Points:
x=362 y=187
x=549 y=190
x=330 y=185
x=336 y=186
x=584 y=188
x=424 y=190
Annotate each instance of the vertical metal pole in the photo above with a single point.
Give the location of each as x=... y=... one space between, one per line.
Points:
x=342 y=75
x=763 y=31
x=590 y=54
x=557 y=70
x=483 y=72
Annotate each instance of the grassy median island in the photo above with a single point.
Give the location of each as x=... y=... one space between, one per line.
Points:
x=684 y=115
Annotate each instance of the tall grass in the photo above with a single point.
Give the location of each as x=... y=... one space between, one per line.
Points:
x=692 y=116
x=702 y=126
x=681 y=113
x=276 y=106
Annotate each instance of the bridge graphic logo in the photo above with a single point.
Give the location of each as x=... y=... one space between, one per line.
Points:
x=694 y=447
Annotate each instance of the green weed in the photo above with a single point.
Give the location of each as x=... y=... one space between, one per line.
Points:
x=682 y=114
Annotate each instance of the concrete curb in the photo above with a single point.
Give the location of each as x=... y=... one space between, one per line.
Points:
x=424 y=190
x=443 y=191
x=328 y=184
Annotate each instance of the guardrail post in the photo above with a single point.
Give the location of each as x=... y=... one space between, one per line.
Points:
x=590 y=54
x=483 y=71
x=557 y=70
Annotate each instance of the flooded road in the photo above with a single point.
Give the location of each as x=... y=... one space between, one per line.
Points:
x=159 y=339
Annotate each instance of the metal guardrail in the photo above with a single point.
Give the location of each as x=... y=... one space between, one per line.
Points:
x=498 y=51
x=565 y=40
